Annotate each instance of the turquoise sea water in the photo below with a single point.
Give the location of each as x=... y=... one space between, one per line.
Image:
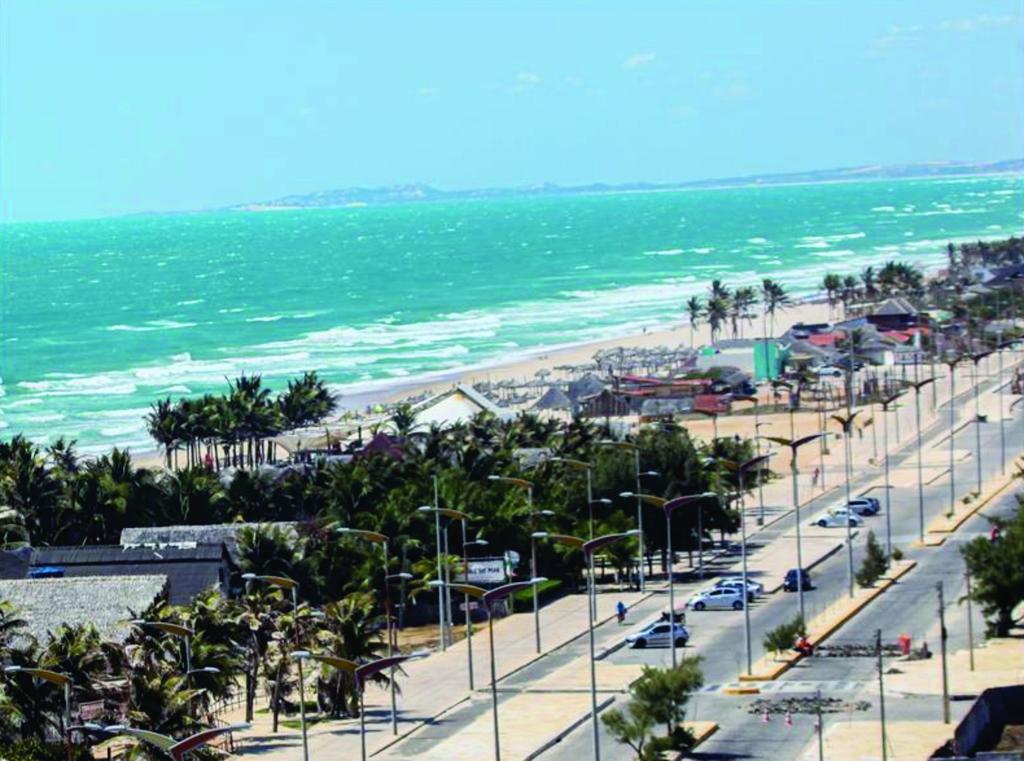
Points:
x=102 y=317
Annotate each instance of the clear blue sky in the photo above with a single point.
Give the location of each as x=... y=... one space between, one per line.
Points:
x=114 y=107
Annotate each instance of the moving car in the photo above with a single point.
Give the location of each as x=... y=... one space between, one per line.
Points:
x=789 y=584
x=720 y=598
x=659 y=634
x=839 y=516
x=754 y=588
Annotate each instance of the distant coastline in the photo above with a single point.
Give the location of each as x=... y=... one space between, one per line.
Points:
x=356 y=197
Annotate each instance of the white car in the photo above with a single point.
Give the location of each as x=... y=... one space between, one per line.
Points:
x=754 y=588
x=659 y=634
x=839 y=516
x=828 y=371
x=721 y=598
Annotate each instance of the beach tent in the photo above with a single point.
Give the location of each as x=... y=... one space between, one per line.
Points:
x=553 y=399
x=459 y=404
x=588 y=385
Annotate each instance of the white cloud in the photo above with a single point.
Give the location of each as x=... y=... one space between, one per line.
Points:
x=639 y=60
x=526 y=80
x=984 y=21
x=426 y=92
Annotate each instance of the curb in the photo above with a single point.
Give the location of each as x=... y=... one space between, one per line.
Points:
x=945 y=525
x=741 y=690
x=791 y=659
x=561 y=734
x=702 y=733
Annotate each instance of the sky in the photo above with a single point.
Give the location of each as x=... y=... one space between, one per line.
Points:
x=110 y=107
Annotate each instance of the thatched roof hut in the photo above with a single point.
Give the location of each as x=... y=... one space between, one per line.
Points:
x=107 y=602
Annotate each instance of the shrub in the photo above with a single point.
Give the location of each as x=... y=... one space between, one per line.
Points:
x=784 y=636
x=897 y=554
x=875 y=562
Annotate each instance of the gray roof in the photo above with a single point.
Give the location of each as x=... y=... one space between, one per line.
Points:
x=107 y=602
x=588 y=385
x=189 y=571
x=553 y=399
x=219 y=533
x=894 y=306
x=652 y=407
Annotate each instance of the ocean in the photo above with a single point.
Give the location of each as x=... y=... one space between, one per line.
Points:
x=102 y=317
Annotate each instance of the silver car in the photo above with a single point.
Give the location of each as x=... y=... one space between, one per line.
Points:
x=718 y=598
x=659 y=634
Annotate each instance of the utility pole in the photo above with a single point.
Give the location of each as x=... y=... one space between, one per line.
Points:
x=970 y=622
x=942 y=644
x=881 y=693
x=821 y=732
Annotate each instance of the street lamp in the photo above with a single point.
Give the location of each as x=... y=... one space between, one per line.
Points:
x=465 y=601
x=976 y=359
x=847 y=425
x=669 y=507
x=588 y=469
x=794 y=446
x=53 y=677
x=755 y=463
x=283 y=582
x=176 y=749
x=527 y=486
x=630 y=446
x=487 y=597
x=886 y=403
x=753 y=401
x=589 y=547
x=920 y=478
x=378 y=538
x=441 y=543
x=951 y=362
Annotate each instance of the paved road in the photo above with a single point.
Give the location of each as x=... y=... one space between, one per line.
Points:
x=910 y=607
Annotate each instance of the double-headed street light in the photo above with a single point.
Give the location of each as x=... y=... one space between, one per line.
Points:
x=178 y=750
x=360 y=674
x=976 y=359
x=589 y=547
x=487 y=597
x=377 y=538
x=53 y=677
x=755 y=463
x=886 y=405
x=917 y=386
x=292 y=586
x=635 y=449
x=527 y=486
x=588 y=469
x=794 y=447
x=441 y=544
x=846 y=422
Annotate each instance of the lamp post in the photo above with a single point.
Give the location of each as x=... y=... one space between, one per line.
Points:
x=755 y=463
x=588 y=469
x=527 y=486
x=951 y=363
x=443 y=598
x=669 y=507
x=976 y=359
x=847 y=425
x=292 y=586
x=465 y=601
x=61 y=680
x=888 y=486
x=488 y=597
x=1002 y=407
x=178 y=750
x=794 y=447
x=630 y=446
x=589 y=547
x=360 y=673
x=378 y=538
x=186 y=634
x=753 y=401
x=760 y=482
x=917 y=386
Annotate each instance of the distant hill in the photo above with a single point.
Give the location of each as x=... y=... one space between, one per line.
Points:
x=395 y=194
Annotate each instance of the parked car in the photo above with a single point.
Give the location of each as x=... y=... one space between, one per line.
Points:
x=838 y=516
x=789 y=584
x=864 y=505
x=659 y=634
x=828 y=371
x=845 y=363
x=717 y=598
x=754 y=588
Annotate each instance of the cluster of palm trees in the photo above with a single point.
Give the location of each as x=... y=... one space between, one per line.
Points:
x=50 y=496
x=234 y=428
x=891 y=279
x=731 y=308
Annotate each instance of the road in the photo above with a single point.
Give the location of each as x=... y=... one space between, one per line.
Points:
x=909 y=607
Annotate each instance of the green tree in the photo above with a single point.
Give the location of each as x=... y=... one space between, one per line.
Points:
x=875 y=562
x=784 y=636
x=997 y=568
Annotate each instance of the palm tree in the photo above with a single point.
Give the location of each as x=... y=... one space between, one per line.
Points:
x=831 y=284
x=774 y=298
x=694 y=311
x=742 y=300
x=716 y=313
x=867 y=279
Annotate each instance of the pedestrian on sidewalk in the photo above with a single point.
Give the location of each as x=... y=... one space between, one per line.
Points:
x=620 y=611
x=815 y=477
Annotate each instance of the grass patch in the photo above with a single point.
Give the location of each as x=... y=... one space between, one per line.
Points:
x=544 y=589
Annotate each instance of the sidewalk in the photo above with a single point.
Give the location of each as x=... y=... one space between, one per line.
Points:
x=434 y=684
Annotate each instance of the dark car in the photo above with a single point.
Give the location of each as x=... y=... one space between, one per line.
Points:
x=789 y=584
x=846 y=363
x=864 y=505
